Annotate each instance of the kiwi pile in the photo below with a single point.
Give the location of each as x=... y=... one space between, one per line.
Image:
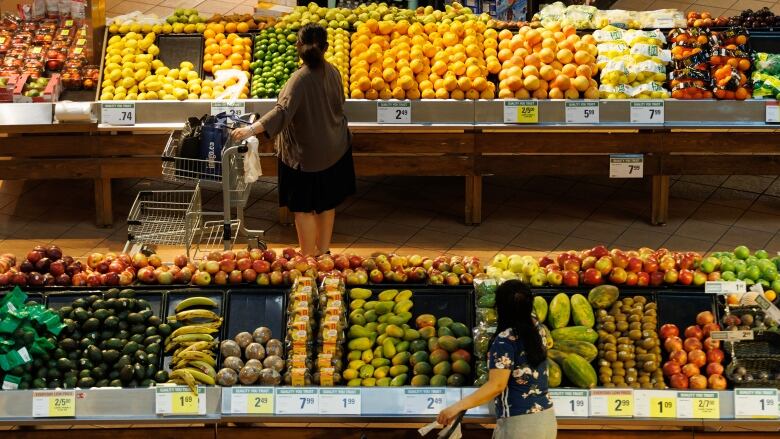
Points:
x=629 y=347
x=254 y=358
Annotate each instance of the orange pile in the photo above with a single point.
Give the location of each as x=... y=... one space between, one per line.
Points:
x=226 y=52
x=411 y=61
x=549 y=63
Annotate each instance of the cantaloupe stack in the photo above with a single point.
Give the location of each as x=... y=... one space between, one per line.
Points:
x=547 y=63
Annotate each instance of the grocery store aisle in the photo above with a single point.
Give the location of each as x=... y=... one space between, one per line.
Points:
x=424 y=215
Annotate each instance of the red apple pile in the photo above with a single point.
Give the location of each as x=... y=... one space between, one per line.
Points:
x=242 y=266
x=641 y=268
x=697 y=361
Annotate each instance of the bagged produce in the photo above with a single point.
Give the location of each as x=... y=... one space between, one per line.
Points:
x=487 y=318
x=300 y=332
x=331 y=335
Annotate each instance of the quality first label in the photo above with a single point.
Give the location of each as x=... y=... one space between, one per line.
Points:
x=582 y=112
x=340 y=402
x=424 y=401
x=521 y=111
x=626 y=165
x=297 y=402
x=756 y=404
x=394 y=112
x=698 y=405
x=231 y=109
x=647 y=111
x=618 y=403
x=252 y=400
x=54 y=404
x=570 y=403
x=180 y=400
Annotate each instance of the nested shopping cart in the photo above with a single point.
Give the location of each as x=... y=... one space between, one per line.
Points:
x=177 y=217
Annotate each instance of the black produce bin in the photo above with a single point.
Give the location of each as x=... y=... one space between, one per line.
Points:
x=680 y=307
x=247 y=309
x=31 y=297
x=174 y=297
x=456 y=303
x=177 y=48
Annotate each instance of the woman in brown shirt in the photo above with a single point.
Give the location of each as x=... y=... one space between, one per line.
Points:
x=316 y=172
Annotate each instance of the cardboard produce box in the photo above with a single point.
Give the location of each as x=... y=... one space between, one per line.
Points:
x=48 y=93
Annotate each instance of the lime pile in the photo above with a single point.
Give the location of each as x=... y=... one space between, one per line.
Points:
x=275 y=58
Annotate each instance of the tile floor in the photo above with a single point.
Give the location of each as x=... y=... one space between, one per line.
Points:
x=521 y=215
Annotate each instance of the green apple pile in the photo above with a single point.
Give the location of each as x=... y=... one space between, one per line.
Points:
x=185 y=16
x=524 y=268
x=275 y=59
x=740 y=264
x=334 y=18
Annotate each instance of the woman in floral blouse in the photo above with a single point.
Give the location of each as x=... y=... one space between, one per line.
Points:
x=518 y=378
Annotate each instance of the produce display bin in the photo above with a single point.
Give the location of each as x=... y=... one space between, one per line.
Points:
x=64 y=298
x=31 y=297
x=176 y=296
x=177 y=48
x=454 y=302
x=247 y=309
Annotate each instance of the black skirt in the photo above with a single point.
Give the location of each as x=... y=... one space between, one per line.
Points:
x=301 y=191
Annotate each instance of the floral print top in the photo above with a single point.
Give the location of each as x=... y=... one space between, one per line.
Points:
x=527 y=389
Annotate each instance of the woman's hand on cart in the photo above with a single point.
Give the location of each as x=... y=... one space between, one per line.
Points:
x=240 y=134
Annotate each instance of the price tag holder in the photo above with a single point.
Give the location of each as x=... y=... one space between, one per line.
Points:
x=340 y=402
x=231 y=109
x=732 y=335
x=698 y=405
x=769 y=308
x=117 y=114
x=626 y=165
x=398 y=112
x=179 y=401
x=582 y=112
x=756 y=404
x=570 y=403
x=617 y=403
x=647 y=112
x=252 y=400
x=483 y=410
x=54 y=404
x=424 y=401
x=655 y=404
x=772 y=112
x=297 y=402
x=521 y=111
x=725 y=287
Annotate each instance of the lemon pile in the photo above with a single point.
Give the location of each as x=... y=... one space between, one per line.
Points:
x=338 y=54
x=632 y=63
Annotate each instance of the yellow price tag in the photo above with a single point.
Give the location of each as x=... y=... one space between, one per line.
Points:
x=260 y=403
x=620 y=405
x=528 y=112
x=62 y=406
x=706 y=408
x=663 y=407
x=184 y=403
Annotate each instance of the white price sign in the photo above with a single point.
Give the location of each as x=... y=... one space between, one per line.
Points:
x=297 y=402
x=769 y=308
x=732 y=335
x=772 y=112
x=582 y=112
x=252 y=400
x=614 y=403
x=724 y=287
x=424 y=401
x=756 y=404
x=647 y=112
x=394 y=112
x=626 y=165
x=481 y=410
x=54 y=403
x=231 y=109
x=117 y=114
x=179 y=400
x=570 y=403
x=340 y=402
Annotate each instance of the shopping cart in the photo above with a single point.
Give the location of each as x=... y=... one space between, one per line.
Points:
x=177 y=217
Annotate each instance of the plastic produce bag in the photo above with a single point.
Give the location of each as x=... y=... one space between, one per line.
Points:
x=765 y=86
x=234 y=81
x=252 y=168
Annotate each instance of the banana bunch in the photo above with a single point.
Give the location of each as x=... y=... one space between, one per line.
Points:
x=192 y=345
x=379 y=338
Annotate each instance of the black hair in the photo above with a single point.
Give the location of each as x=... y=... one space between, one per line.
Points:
x=312 y=44
x=514 y=305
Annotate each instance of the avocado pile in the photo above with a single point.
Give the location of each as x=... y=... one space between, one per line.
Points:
x=109 y=341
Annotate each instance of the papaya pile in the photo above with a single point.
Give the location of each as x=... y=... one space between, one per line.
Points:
x=568 y=329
